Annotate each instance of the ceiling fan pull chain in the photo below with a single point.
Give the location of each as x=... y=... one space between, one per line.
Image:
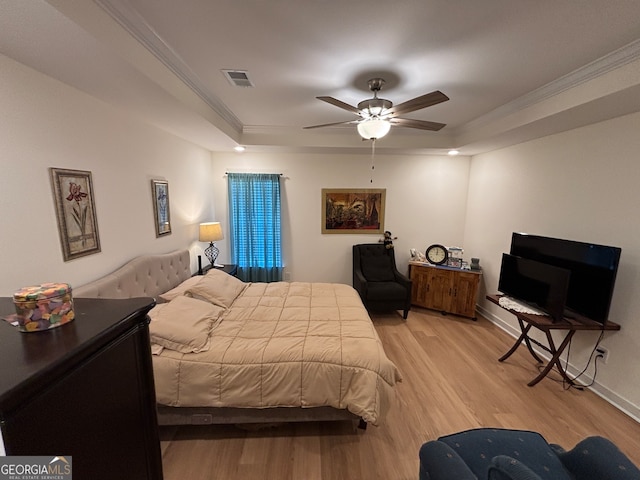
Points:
x=373 y=156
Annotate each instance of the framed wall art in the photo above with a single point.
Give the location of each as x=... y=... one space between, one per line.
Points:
x=351 y=210
x=161 y=213
x=75 y=212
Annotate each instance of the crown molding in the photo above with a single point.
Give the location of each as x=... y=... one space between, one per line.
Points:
x=612 y=61
x=131 y=20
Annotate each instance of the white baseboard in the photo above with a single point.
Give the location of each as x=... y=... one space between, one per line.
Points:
x=602 y=391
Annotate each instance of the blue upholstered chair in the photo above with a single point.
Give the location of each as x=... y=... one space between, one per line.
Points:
x=497 y=454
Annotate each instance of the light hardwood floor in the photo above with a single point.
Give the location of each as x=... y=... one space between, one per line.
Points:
x=452 y=382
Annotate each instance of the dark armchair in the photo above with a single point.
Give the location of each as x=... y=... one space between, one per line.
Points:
x=375 y=276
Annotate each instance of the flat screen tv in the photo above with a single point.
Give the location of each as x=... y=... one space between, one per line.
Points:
x=593 y=270
x=541 y=285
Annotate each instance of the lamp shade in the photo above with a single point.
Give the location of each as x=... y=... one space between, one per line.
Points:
x=373 y=128
x=210 y=232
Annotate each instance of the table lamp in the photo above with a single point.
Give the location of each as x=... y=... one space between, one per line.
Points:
x=211 y=232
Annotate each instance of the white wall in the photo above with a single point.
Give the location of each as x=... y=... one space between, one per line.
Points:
x=579 y=185
x=45 y=123
x=425 y=203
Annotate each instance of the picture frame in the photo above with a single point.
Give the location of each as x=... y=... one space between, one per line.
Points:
x=353 y=210
x=161 y=209
x=75 y=212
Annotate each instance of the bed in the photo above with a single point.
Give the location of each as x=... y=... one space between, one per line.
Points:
x=226 y=351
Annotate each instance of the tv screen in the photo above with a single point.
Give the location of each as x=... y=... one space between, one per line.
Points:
x=593 y=270
x=539 y=284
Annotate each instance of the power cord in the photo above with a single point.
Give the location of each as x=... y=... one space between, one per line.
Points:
x=594 y=353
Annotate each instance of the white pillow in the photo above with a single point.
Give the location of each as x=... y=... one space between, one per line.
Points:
x=179 y=290
x=184 y=324
x=218 y=288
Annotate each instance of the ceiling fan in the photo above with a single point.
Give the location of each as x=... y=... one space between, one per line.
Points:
x=377 y=115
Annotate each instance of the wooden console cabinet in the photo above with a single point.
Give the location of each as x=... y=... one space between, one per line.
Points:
x=84 y=389
x=446 y=289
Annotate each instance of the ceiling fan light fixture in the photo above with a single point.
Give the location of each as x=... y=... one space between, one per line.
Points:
x=373 y=129
x=378 y=114
x=374 y=107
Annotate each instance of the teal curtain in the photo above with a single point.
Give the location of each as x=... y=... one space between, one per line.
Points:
x=254 y=224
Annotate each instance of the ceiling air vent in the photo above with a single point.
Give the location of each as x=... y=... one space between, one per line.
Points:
x=239 y=78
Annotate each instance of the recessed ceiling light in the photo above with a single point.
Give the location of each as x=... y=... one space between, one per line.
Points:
x=239 y=148
x=453 y=152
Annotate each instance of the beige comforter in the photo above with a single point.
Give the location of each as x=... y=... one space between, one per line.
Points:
x=220 y=342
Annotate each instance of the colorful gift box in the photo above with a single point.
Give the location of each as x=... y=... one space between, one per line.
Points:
x=42 y=307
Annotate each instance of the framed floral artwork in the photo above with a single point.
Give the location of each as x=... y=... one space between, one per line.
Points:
x=161 y=213
x=352 y=210
x=75 y=212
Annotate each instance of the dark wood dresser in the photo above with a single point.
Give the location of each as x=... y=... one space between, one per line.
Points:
x=84 y=389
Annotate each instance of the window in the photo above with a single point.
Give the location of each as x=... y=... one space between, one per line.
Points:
x=254 y=223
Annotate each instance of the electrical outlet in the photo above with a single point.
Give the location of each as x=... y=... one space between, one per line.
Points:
x=602 y=352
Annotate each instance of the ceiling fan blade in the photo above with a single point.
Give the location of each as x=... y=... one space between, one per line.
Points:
x=331 y=124
x=340 y=104
x=420 y=124
x=417 y=103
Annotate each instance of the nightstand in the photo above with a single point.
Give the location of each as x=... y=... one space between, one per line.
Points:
x=230 y=268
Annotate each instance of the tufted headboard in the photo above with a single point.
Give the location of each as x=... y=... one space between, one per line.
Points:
x=144 y=276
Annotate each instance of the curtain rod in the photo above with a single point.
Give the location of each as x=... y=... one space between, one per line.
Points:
x=257 y=173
